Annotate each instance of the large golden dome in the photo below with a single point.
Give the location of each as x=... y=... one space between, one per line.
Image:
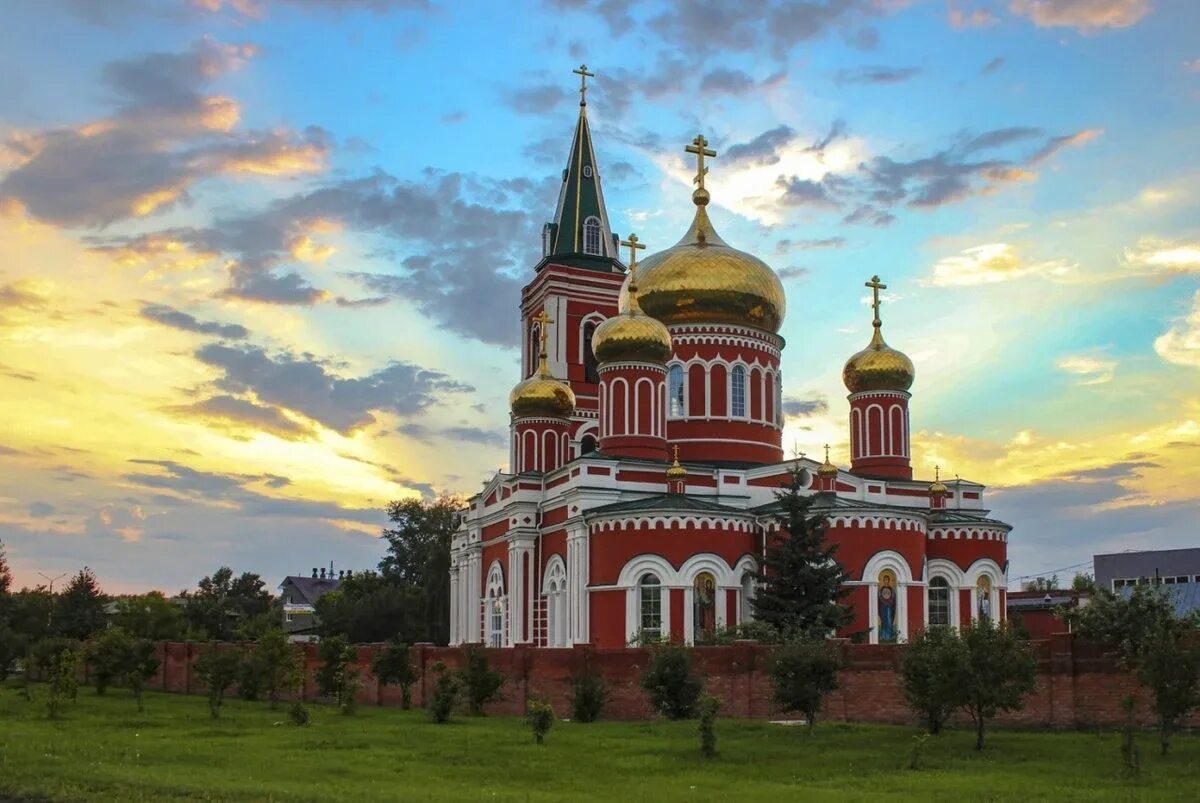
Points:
x=542 y=396
x=701 y=279
x=632 y=335
x=878 y=367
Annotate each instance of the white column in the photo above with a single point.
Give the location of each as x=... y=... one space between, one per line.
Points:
x=577 y=579
x=519 y=548
x=474 y=583
x=454 y=606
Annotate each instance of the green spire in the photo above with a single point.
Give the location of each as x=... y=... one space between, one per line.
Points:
x=580 y=235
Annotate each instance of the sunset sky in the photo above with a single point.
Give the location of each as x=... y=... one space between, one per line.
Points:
x=260 y=259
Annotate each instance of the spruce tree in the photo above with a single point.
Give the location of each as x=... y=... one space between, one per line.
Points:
x=801 y=580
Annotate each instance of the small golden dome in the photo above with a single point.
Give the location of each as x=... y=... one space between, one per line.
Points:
x=676 y=471
x=938 y=488
x=878 y=366
x=701 y=279
x=542 y=396
x=827 y=469
x=632 y=335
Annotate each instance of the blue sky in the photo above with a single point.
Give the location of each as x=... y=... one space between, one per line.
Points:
x=259 y=259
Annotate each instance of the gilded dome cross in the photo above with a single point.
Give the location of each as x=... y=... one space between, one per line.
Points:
x=583 y=74
x=700 y=148
x=541 y=319
x=875 y=286
x=634 y=246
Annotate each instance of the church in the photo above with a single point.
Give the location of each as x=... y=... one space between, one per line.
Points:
x=646 y=453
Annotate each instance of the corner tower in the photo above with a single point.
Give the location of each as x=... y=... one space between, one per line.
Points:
x=577 y=282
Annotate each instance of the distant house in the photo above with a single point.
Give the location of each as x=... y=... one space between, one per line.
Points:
x=1040 y=612
x=300 y=595
x=1178 y=570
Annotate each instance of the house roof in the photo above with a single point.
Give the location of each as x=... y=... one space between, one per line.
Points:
x=311 y=588
x=667 y=503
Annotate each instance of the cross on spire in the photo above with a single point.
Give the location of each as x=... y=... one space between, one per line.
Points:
x=875 y=286
x=700 y=148
x=937 y=473
x=634 y=246
x=827 y=453
x=583 y=74
x=541 y=319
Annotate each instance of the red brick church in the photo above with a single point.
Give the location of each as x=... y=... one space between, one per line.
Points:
x=646 y=450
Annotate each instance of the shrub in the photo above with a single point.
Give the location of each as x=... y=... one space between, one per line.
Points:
x=278 y=665
x=445 y=694
x=61 y=682
x=671 y=682
x=298 y=715
x=589 y=693
x=392 y=667
x=932 y=675
x=217 y=669
x=1131 y=760
x=250 y=677
x=539 y=714
x=481 y=682
x=709 y=706
x=141 y=666
x=43 y=656
x=108 y=656
x=13 y=646
x=337 y=677
x=1000 y=671
x=1170 y=667
x=803 y=673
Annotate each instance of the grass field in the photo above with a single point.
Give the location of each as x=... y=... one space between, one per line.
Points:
x=102 y=749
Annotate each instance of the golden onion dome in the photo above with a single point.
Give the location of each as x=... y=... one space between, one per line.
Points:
x=676 y=471
x=878 y=367
x=938 y=488
x=632 y=335
x=827 y=468
x=542 y=394
x=701 y=279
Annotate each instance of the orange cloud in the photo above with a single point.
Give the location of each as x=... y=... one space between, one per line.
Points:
x=1083 y=15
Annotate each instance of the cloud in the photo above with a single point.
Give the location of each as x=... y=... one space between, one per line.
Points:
x=990 y=264
x=165 y=135
x=993 y=65
x=875 y=75
x=258 y=8
x=1192 y=66
x=1090 y=369
x=800 y=408
x=40 y=510
x=461 y=433
x=786 y=246
x=1086 y=16
x=168 y=316
x=242 y=414
x=538 y=99
x=306 y=386
x=793 y=272
x=1159 y=257
x=1180 y=344
x=961 y=14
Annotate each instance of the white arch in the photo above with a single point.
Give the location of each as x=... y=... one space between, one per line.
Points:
x=856 y=440
x=592 y=228
x=613 y=397
x=637 y=406
x=986 y=567
x=888 y=559
x=596 y=318
x=549 y=450
x=554 y=588
x=725 y=580
x=871 y=409
x=746 y=570
x=947 y=569
x=631 y=573
x=495 y=608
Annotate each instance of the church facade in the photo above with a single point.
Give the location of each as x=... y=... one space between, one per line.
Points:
x=646 y=453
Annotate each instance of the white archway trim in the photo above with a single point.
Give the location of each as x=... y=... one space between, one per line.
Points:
x=631 y=573
x=746 y=572
x=726 y=579
x=949 y=570
x=495 y=608
x=888 y=559
x=554 y=589
x=986 y=567
x=556 y=571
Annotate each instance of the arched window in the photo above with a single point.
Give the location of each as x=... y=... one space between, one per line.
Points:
x=495 y=606
x=650 y=607
x=556 y=603
x=591 y=366
x=675 y=391
x=737 y=390
x=591 y=235
x=587 y=171
x=587 y=445
x=939 y=602
x=747 y=597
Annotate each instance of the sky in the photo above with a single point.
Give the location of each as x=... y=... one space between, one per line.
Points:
x=260 y=259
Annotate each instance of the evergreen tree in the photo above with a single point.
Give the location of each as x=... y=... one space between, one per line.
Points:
x=801 y=579
x=79 y=609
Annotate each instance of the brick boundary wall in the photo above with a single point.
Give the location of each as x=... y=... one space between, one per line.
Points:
x=1079 y=685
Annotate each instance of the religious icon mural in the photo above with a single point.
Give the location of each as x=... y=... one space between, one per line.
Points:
x=704 y=606
x=983 y=591
x=887 y=606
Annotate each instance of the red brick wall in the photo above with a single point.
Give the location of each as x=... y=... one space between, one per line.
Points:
x=1079 y=684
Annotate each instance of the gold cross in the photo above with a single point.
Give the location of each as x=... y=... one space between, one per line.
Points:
x=937 y=473
x=700 y=147
x=675 y=452
x=875 y=286
x=583 y=74
x=634 y=246
x=827 y=453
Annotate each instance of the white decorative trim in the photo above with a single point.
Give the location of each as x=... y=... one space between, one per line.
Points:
x=667 y=522
x=887 y=559
x=880 y=521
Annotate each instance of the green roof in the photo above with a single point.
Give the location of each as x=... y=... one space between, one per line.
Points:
x=667 y=502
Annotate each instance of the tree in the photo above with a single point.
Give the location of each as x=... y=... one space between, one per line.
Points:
x=418 y=559
x=31 y=613
x=12 y=648
x=1153 y=641
x=804 y=672
x=392 y=667
x=369 y=608
x=337 y=676
x=1000 y=672
x=61 y=685
x=1043 y=583
x=278 y=665
x=109 y=657
x=5 y=582
x=223 y=607
x=540 y=716
x=141 y=667
x=446 y=689
x=933 y=670
x=1083 y=583
x=481 y=683
x=709 y=707
x=671 y=681
x=150 y=616
x=79 y=609
x=217 y=669
x=801 y=581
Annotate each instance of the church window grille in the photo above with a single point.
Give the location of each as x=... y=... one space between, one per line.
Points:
x=556 y=604
x=591 y=366
x=939 y=602
x=675 y=382
x=737 y=384
x=591 y=236
x=650 y=607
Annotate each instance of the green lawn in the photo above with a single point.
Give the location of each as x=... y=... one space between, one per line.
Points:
x=103 y=749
